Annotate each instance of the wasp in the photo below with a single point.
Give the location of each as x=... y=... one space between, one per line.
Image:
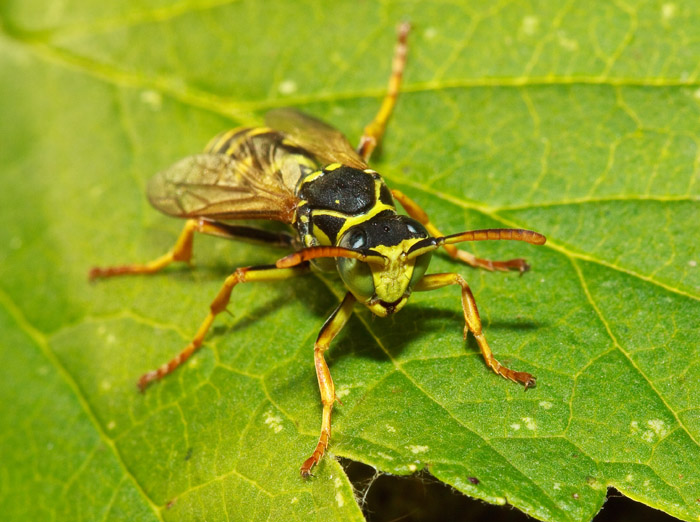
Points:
x=303 y=172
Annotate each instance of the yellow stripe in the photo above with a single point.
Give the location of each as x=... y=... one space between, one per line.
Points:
x=356 y=220
x=351 y=221
x=321 y=236
x=220 y=139
x=259 y=130
x=311 y=177
x=249 y=134
x=244 y=133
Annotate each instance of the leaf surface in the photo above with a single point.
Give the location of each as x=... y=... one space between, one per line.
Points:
x=578 y=121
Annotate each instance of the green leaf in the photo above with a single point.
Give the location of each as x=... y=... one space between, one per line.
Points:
x=579 y=121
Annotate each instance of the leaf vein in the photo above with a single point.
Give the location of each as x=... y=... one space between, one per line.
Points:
x=618 y=347
x=42 y=342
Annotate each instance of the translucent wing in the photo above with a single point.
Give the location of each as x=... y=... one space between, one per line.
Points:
x=222 y=187
x=326 y=143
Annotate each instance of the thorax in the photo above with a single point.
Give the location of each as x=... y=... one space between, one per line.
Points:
x=334 y=199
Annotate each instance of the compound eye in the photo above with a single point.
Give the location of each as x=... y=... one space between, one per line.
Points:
x=419 y=268
x=415 y=228
x=357 y=240
x=357 y=276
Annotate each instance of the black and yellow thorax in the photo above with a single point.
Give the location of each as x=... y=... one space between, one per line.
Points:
x=336 y=198
x=323 y=203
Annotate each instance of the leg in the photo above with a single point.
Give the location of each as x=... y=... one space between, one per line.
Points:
x=241 y=275
x=473 y=324
x=182 y=251
x=375 y=130
x=417 y=213
x=330 y=329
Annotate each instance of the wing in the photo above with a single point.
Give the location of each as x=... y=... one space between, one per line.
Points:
x=326 y=143
x=221 y=187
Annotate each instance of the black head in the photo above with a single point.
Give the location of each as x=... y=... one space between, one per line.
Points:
x=385 y=288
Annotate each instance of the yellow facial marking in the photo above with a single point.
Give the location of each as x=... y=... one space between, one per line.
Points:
x=322 y=238
x=391 y=281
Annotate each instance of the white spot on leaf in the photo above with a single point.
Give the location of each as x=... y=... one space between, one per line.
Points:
x=658 y=426
x=418 y=449
x=668 y=10
x=530 y=25
x=273 y=421
x=529 y=423
x=152 y=98
x=287 y=87
x=565 y=42
x=343 y=391
x=546 y=405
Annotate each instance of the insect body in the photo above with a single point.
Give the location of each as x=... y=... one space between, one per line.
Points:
x=300 y=171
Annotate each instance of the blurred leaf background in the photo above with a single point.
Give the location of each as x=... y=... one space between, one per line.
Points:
x=579 y=120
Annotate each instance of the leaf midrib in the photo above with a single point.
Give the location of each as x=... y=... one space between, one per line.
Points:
x=242 y=112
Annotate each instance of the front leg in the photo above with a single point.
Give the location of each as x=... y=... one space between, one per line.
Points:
x=328 y=332
x=473 y=324
x=241 y=275
x=416 y=212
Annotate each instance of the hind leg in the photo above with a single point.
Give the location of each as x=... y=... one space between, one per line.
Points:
x=375 y=130
x=182 y=251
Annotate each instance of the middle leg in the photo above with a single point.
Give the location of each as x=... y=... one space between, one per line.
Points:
x=473 y=324
x=330 y=329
